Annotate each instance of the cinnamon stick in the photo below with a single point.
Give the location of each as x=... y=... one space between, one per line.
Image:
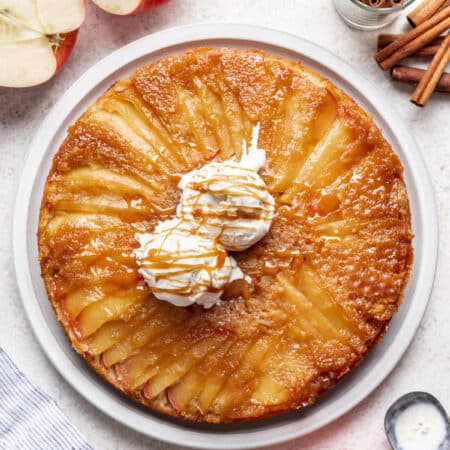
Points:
x=433 y=74
x=412 y=75
x=428 y=50
x=410 y=42
x=424 y=11
x=382 y=3
x=374 y=3
x=444 y=5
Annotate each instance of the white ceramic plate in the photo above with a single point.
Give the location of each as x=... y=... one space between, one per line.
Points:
x=353 y=388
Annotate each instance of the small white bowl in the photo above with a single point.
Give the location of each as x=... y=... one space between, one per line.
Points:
x=354 y=387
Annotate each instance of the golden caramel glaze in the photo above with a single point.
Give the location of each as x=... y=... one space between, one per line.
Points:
x=326 y=279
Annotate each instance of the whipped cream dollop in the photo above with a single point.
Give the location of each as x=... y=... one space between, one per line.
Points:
x=229 y=201
x=224 y=206
x=183 y=268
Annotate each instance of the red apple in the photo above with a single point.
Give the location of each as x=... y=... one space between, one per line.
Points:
x=36 y=38
x=127 y=7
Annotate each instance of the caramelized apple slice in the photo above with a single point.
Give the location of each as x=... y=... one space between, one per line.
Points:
x=198 y=123
x=108 y=309
x=269 y=391
x=236 y=387
x=173 y=371
x=138 y=368
x=181 y=394
x=180 y=156
x=106 y=336
x=63 y=222
x=304 y=313
x=105 y=272
x=239 y=124
x=79 y=299
x=101 y=181
x=170 y=354
x=341 y=148
x=215 y=381
x=141 y=137
x=138 y=123
x=212 y=105
x=322 y=300
x=135 y=209
x=154 y=326
x=114 y=332
x=304 y=124
x=286 y=369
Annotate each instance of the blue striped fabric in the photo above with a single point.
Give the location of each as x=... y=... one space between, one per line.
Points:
x=29 y=418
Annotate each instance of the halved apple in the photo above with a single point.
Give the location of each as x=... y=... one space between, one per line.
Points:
x=127 y=7
x=36 y=38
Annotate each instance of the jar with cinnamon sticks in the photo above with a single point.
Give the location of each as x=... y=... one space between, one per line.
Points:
x=369 y=14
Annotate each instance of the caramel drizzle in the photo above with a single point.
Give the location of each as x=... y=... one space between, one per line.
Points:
x=159 y=260
x=246 y=184
x=242 y=186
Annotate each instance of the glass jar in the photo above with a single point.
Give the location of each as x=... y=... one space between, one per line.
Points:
x=364 y=17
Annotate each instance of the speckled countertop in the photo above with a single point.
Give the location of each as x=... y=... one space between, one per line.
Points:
x=426 y=365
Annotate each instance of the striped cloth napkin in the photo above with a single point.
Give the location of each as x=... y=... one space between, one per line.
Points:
x=29 y=418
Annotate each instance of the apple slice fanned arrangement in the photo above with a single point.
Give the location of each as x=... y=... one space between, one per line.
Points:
x=324 y=282
x=36 y=37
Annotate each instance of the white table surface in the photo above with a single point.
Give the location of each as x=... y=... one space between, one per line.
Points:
x=426 y=365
